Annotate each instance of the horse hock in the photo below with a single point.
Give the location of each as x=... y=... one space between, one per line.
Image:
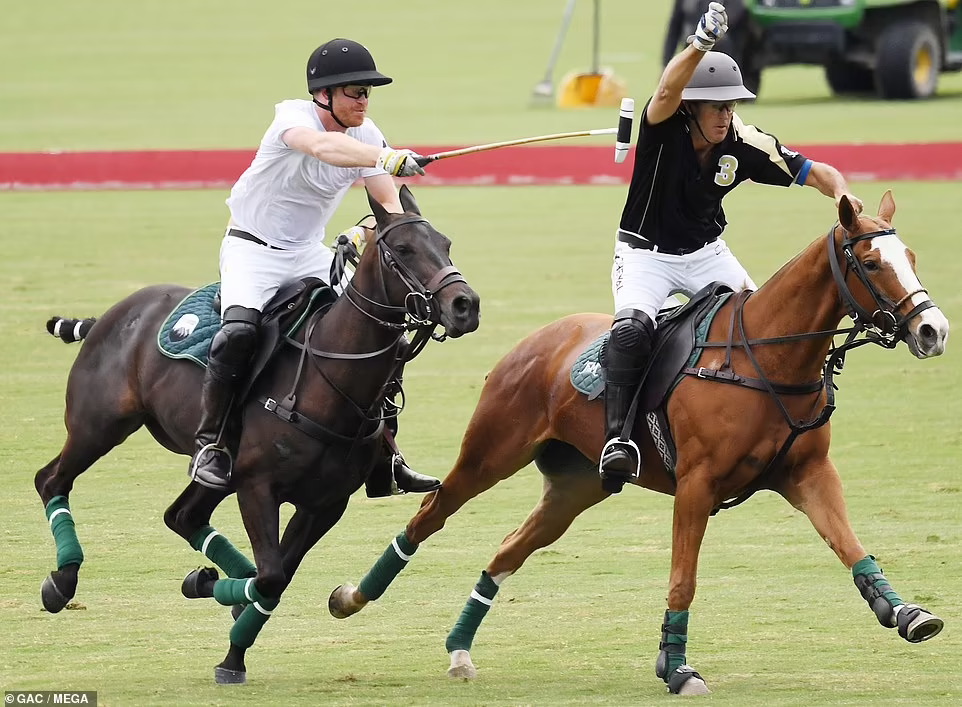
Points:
x=914 y=623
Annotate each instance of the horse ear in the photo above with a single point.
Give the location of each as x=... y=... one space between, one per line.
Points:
x=379 y=213
x=407 y=200
x=886 y=209
x=847 y=216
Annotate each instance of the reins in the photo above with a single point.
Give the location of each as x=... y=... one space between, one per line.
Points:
x=419 y=314
x=883 y=327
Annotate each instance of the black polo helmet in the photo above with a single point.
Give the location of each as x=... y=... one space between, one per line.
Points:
x=341 y=62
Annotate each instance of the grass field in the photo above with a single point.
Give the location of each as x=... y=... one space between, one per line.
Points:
x=776 y=621
x=181 y=74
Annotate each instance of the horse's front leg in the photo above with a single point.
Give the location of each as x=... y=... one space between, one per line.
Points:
x=260 y=511
x=816 y=490
x=693 y=504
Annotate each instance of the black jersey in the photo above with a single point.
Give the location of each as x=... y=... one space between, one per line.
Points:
x=676 y=203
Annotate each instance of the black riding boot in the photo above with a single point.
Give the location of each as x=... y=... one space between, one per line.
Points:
x=391 y=475
x=624 y=358
x=217 y=437
x=215 y=443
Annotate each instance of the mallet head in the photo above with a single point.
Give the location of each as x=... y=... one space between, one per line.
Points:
x=623 y=138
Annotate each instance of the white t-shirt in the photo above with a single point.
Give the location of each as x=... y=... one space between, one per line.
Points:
x=286 y=197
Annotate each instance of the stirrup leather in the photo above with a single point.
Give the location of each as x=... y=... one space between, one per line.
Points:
x=616 y=442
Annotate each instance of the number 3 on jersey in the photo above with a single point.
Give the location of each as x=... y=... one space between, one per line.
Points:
x=727 y=166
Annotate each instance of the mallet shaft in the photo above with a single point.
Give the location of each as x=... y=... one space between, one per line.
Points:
x=510 y=143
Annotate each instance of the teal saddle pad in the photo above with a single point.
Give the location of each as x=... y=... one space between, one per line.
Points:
x=587 y=375
x=187 y=332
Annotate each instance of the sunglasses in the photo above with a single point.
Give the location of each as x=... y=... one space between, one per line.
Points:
x=723 y=106
x=357 y=92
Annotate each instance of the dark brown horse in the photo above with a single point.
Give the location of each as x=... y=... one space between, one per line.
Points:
x=764 y=428
x=312 y=422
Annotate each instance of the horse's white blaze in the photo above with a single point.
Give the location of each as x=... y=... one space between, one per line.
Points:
x=893 y=253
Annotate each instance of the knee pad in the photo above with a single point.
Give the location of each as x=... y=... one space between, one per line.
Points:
x=632 y=333
x=235 y=343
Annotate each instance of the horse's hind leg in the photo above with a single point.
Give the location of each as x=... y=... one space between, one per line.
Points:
x=91 y=433
x=816 y=490
x=494 y=447
x=564 y=498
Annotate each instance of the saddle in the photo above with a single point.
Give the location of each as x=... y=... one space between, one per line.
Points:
x=678 y=333
x=188 y=330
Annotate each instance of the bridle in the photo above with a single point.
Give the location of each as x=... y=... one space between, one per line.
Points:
x=885 y=324
x=884 y=327
x=420 y=314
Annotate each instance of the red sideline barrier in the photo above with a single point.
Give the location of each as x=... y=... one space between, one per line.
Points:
x=197 y=169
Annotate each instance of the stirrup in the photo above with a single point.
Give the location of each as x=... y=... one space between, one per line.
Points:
x=205 y=478
x=618 y=442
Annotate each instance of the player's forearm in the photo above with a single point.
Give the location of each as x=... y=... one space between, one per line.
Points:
x=828 y=180
x=677 y=74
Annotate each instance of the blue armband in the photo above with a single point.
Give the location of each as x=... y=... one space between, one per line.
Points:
x=803 y=173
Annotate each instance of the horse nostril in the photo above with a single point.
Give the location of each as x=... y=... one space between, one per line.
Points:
x=461 y=305
x=927 y=333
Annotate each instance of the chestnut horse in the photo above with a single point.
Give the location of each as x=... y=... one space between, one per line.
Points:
x=313 y=421
x=764 y=428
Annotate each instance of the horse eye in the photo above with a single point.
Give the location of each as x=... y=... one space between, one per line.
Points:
x=403 y=250
x=870 y=266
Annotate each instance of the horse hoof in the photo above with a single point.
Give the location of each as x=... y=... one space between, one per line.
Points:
x=199 y=584
x=341 y=602
x=461 y=666
x=52 y=598
x=226 y=676
x=917 y=625
x=236 y=610
x=685 y=681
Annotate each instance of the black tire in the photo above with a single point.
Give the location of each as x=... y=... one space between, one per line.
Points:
x=845 y=77
x=908 y=58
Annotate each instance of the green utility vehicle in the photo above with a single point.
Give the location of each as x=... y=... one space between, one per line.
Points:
x=897 y=48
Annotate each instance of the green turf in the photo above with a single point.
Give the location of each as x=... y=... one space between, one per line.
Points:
x=183 y=74
x=776 y=620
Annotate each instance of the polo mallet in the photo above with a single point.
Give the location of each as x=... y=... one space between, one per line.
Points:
x=622 y=133
x=623 y=138
x=545 y=87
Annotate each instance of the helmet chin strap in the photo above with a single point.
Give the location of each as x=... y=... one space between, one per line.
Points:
x=691 y=117
x=330 y=108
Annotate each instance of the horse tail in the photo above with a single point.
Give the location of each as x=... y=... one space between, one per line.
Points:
x=70 y=330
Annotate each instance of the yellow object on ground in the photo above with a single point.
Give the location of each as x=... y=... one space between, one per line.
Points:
x=578 y=90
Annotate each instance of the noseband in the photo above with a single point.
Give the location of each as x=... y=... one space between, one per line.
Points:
x=884 y=322
x=420 y=309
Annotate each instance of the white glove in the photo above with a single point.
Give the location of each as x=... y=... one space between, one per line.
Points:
x=711 y=27
x=399 y=163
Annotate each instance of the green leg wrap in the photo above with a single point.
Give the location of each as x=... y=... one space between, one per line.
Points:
x=462 y=635
x=241 y=591
x=876 y=590
x=674 y=637
x=61 y=522
x=222 y=553
x=389 y=565
x=250 y=622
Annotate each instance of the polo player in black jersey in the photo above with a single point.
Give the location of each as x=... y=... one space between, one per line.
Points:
x=692 y=150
